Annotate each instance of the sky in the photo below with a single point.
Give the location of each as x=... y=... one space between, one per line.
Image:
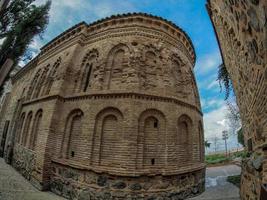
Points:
x=190 y=15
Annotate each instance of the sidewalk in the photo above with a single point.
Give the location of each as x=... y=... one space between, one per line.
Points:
x=14 y=187
x=217 y=188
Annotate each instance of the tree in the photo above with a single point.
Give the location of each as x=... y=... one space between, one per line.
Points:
x=19 y=23
x=11 y=14
x=207 y=144
x=32 y=23
x=240 y=137
x=233 y=116
x=225 y=80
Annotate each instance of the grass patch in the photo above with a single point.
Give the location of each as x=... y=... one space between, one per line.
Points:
x=234 y=180
x=216 y=158
x=223 y=159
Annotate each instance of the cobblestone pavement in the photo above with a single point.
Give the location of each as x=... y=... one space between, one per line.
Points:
x=14 y=187
x=217 y=188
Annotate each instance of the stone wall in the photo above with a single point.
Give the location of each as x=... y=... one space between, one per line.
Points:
x=79 y=183
x=24 y=161
x=241 y=28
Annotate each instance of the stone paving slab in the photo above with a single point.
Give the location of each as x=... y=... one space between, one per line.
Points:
x=14 y=187
x=217 y=187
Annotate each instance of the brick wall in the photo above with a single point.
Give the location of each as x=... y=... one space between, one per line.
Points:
x=241 y=29
x=118 y=99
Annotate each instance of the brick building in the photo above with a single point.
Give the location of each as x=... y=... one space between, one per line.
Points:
x=241 y=28
x=110 y=109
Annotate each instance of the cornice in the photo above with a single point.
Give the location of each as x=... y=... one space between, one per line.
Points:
x=129 y=18
x=131 y=95
x=88 y=30
x=137 y=172
x=25 y=69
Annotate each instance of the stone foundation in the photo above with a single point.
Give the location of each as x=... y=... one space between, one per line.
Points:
x=24 y=161
x=84 y=184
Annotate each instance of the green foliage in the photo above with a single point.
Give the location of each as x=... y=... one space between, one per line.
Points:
x=240 y=137
x=224 y=79
x=234 y=180
x=240 y=154
x=216 y=158
x=32 y=21
x=221 y=158
x=11 y=16
x=207 y=144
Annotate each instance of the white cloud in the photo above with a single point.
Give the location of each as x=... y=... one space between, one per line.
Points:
x=36 y=44
x=208 y=62
x=213 y=84
x=214 y=123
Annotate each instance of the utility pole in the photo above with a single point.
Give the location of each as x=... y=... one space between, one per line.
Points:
x=215 y=144
x=225 y=137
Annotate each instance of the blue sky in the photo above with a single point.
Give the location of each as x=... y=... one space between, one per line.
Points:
x=190 y=15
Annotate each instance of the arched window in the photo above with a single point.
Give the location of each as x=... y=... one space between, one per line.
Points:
x=33 y=85
x=26 y=130
x=72 y=140
x=184 y=138
x=151 y=139
x=115 y=64
x=181 y=77
x=107 y=147
x=51 y=77
x=151 y=58
x=109 y=142
x=41 y=82
x=151 y=133
x=151 y=72
x=35 y=129
x=88 y=75
x=177 y=76
x=20 y=126
x=88 y=64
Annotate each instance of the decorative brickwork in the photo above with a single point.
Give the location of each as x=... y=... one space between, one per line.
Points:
x=241 y=27
x=111 y=110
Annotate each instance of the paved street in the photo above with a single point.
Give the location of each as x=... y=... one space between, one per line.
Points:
x=217 y=188
x=14 y=187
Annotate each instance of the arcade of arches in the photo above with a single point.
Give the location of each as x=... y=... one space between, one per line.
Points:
x=110 y=110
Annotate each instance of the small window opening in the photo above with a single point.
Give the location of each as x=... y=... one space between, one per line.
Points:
x=89 y=67
x=72 y=153
x=155 y=124
x=153 y=161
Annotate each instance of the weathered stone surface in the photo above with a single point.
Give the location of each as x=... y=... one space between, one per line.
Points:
x=243 y=45
x=257 y=163
x=136 y=186
x=102 y=181
x=119 y=185
x=111 y=110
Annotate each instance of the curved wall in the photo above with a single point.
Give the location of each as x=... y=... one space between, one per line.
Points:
x=121 y=116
